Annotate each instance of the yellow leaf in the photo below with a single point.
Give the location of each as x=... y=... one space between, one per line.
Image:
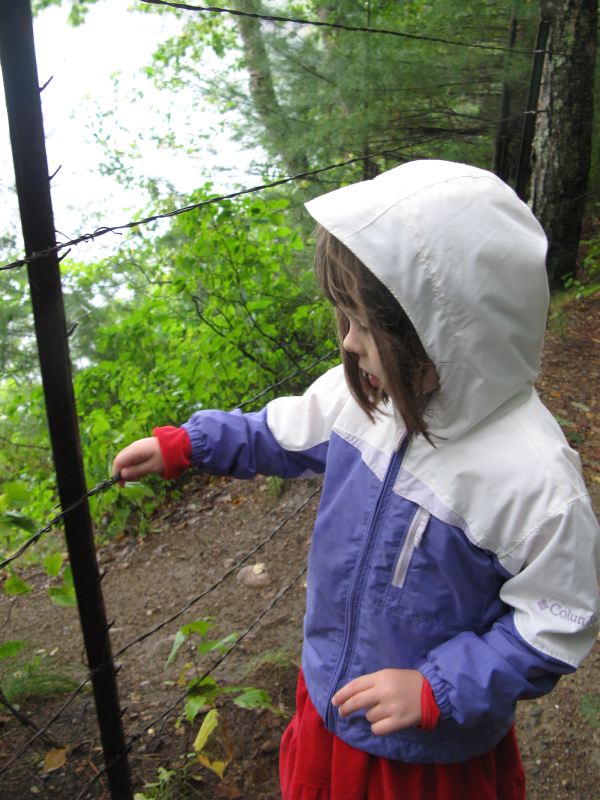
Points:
x=182 y=677
x=55 y=759
x=258 y=569
x=218 y=767
x=209 y=723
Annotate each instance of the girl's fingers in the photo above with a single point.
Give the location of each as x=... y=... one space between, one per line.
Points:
x=352 y=688
x=384 y=726
x=356 y=702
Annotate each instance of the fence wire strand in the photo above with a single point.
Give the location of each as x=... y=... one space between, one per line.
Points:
x=24 y=747
x=106 y=484
x=337 y=26
x=102 y=231
x=219 y=581
x=166 y=713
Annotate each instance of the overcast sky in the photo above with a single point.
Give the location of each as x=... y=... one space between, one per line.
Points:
x=81 y=62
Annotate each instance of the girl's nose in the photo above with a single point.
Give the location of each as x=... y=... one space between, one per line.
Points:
x=350 y=343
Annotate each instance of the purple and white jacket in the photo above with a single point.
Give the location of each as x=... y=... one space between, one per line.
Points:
x=475 y=560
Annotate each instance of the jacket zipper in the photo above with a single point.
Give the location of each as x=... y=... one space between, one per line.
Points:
x=413 y=537
x=356 y=590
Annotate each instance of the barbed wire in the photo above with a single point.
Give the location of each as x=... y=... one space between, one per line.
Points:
x=99 y=487
x=166 y=713
x=275 y=385
x=41 y=732
x=103 y=230
x=337 y=26
x=106 y=484
x=219 y=581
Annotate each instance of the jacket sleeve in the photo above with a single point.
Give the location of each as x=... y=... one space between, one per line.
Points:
x=550 y=625
x=288 y=438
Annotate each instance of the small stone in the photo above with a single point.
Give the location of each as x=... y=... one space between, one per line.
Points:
x=255 y=576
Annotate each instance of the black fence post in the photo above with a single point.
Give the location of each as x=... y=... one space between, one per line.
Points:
x=19 y=70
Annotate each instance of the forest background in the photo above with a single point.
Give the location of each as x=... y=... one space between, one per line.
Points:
x=209 y=307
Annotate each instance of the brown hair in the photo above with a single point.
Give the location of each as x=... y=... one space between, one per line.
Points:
x=349 y=285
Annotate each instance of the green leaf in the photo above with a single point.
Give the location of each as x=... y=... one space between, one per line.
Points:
x=199 y=626
x=221 y=645
x=18 y=521
x=253 y=698
x=201 y=693
x=52 y=564
x=10 y=648
x=68 y=577
x=63 y=596
x=180 y=638
x=16 y=493
x=136 y=492
x=15 y=585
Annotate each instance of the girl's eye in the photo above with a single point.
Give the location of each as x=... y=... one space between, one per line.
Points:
x=362 y=327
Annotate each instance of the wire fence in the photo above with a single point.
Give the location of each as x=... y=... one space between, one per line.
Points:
x=337 y=26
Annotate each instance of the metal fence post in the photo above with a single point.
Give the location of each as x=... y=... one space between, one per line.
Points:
x=19 y=69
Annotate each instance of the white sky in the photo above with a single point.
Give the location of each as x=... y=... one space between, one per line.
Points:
x=81 y=61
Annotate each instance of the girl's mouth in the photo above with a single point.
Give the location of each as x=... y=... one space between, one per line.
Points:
x=371 y=379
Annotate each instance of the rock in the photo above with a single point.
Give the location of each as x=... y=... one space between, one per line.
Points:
x=255 y=576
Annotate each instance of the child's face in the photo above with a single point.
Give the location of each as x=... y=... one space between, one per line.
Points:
x=359 y=341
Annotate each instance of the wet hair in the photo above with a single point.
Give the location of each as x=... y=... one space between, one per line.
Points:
x=350 y=286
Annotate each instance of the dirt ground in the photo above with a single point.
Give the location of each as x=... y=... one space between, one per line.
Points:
x=193 y=543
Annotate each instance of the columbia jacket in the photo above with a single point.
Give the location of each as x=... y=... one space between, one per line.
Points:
x=473 y=559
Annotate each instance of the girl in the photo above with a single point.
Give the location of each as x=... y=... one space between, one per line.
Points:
x=453 y=564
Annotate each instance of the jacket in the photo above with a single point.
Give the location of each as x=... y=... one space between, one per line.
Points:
x=473 y=558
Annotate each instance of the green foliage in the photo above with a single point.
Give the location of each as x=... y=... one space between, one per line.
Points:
x=10 y=648
x=24 y=676
x=206 y=315
x=64 y=595
x=212 y=749
x=590 y=708
x=587 y=281
x=14 y=585
x=313 y=95
x=77 y=8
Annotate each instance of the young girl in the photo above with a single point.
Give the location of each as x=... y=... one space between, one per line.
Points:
x=453 y=562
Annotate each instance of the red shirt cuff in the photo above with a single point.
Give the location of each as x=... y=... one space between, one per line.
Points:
x=176 y=450
x=430 y=713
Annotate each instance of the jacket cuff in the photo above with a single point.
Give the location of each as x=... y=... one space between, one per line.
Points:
x=430 y=712
x=439 y=689
x=176 y=450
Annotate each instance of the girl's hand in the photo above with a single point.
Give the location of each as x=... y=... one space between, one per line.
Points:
x=393 y=697
x=138 y=459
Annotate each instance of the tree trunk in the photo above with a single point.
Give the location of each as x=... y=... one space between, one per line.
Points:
x=562 y=143
x=262 y=87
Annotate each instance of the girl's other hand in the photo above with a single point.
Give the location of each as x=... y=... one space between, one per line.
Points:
x=138 y=459
x=392 y=697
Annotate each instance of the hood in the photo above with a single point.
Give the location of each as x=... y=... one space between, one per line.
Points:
x=465 y=258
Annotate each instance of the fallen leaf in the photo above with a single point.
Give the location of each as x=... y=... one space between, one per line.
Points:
x=227 y=792
x=55 y=759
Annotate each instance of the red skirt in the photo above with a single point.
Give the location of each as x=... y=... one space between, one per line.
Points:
x=314 y=764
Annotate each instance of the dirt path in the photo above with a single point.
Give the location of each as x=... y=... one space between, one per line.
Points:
x=192 y=544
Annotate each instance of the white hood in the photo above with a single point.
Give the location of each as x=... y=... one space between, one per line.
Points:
x=465 y=258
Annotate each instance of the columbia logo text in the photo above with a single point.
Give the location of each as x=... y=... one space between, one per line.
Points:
x=558 y=610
